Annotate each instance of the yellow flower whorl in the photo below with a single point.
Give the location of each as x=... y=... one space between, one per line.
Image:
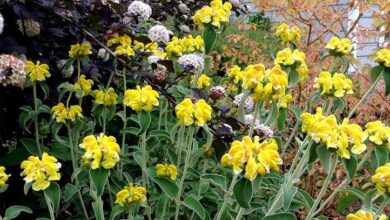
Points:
x=193 y=114
x=141 y=99
x=131 y=194
x=37 y=72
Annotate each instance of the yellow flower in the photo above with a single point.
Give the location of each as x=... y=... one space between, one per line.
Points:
x=339 y=47
x=383 y=57
x=275 y=82
x=61 y=113
x=167 y=170
x=344 y=137
x=378 y=133
x=257 y=158
x=361 y=215
x=284 y=57
x=107 y=98
x=287 y=99
x=41 y=172
x=382 y=179
x=100 y=151
x=122 y=45
x=141 y=99
x=189 y=44
x=337 y=85
x=78 y=51
x=130 y=194
x=288 y=35
x=216 y=14
x=193 y=114
x=203 y=81
x=37 y=72
x=253 y=75
x=84 y=85
x=382 y=217
x=235 y=73
x=3 y=177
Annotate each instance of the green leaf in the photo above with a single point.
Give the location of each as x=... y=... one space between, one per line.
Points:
x=215 y=179
x=274 y=114
x=368 y=196
x=45 y=89
x=15 y=157
x=25 y=117
x=116 y=211
x=130 y=130
x=305 y=198
x=321 y=217
x=288 y=195
x=96 y=210
x=70 y=191
x=375 y=72
x=60 y=151
x=346 y=199
x=281 y=216
x=359 y=194
x=53 y=192
x=243 y=192
x=159 y=134
x=209 y=36
x=26 y=188
x=350 y=166
x=293 y=78
x=386 y=77
x=161 y=206
x=168 y=186
x=144 y=121
x=241 y=107
x=340 y=104
x=30 y=145
x=324 y=155
x=75 y=173
x=281 y=118
x=15 y=210
x=381 y=155
x=192 y=203
x=99 y=179
x=55 y=128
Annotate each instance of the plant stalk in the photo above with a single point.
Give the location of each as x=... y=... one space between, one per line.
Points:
x=50 y=208
x=227 y=195
x=36 y=127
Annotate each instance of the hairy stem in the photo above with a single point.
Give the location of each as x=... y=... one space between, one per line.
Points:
x=227 y=195
x=50 y=208
x=36 y=127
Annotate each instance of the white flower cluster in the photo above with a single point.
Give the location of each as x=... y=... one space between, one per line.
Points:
x=103 y=54
x=140 y=10
x=159 y=33
x=218 y=92
x=191 y=63
x=66 y=72
x=29 y=27
x=1 y=23
x=248 y=106
x=12 y=70
x=235 y=3
x=153 y=59
x=249 y=120
x=183 y=8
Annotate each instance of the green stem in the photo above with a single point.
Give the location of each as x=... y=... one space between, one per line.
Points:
x=366 y=94
x=50 y=207
x=323 y=189
x=164 y=208
x=380 y=209
x=72 y=150
x=227 y=195
x=179 y=145
x=144 y=159
x=123 y=148
x=292 y=135
x=109 y=193
x=332 y=65
x=83 y=205
x=240 y=213
x=104 y=119
x=130 y=215
x=186 y=165
x=36 y=127
x=110 y=79
x=78 y=69
x=196 y=79
x=101 y=210
x=160 y=115
x=205 y=163
x=257 y=106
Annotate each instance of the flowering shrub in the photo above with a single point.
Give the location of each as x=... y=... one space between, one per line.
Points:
x=160 y=135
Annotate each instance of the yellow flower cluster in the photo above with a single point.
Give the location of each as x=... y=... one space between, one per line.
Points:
x=123 y=45
x=294 y=59
x=130 y=194
x=79 y=51
x=84 y=85
x=378 y=133
x=100 y=151
x=60 y=113
x=216 y=14
x=364 y=215
x=286 y=100
x=288 y=35
x=341 y=137
x=383 y=57
x=141 y=99
x=167 y=170
x=3 y=177
x=235 y=73
x=193 y=114
x=265 y=84
x=203 y=81
x=107 y=98
x=189 y=44
x=337 y=85
x=41 y=172
x=37 y=72
x=257 y=158
x=339 y=47
x=382 y=179
x=149 y=47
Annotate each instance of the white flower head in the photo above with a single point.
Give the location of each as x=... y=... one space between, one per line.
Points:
x=1 y=23
x=184 y=28
x=265 y=130
x=191 y=63
x=183 y=8
x=153 y=59
x=103 y=54
x=140 y=10
x=248 y=106
x=249 y=119
x=235 y=3
x=159 y=33
x=29 y=27
x=12 y=70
